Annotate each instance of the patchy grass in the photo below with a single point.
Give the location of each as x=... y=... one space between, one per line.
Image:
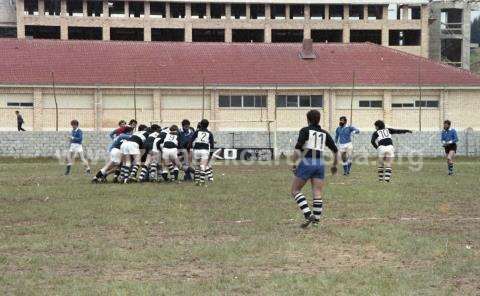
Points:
x=64 y=236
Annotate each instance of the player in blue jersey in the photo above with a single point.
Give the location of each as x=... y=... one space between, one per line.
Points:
x=76 y=139
x=310 y=166
x=343 y=137
x=449 y=142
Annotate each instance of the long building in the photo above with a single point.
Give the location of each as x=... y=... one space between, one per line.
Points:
x=238 y=86
x=398 y=24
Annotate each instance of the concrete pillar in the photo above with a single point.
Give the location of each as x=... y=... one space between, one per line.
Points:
x=146 y=9
x=63 y=7
x=98 y=109
x=208 y=12
x=331 y=105
x=167 y=10
x=385 y=35
x=247 y=11
x=466 y=31
x=188 y=32
x=307 y=31
x=157 y=105
x=228 y=34
x=188 y=10
x=387 y=107
x=228 y=11
x=20 y=19
x=346 y=11
x=84 y=8
x=346 y=33
x=307 y=11
x=425 y=35
x=268 y=13
x=365 y=12
x=287 y=11
x=127 y=9
x=106 y=12
x=41 y=7
x=271 y=104
x=327 y=11
x=106 y=33
x=147 y=32
x=441 y=107
x=63 y=29
x=326 y=116
x=37 y=109
x=268 y=33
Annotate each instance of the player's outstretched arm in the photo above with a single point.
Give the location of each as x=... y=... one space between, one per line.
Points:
x=399 y=131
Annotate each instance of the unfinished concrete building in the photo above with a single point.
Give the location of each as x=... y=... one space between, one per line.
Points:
x=398 y=24
x=450 y=32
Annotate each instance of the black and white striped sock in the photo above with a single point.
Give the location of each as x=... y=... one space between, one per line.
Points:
x=175 y=173
x=388 y=174
x=143 y=173
x=303 y=204
x=209 y=173
x=380 y=173
x=317 y=208
x=153 y=171
x=196 y=176
x=165 y=175
x=202 y=176
x=133 y=174
x=125 y=172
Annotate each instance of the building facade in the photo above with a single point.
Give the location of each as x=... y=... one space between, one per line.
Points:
x=239 y=87
x=398 y=24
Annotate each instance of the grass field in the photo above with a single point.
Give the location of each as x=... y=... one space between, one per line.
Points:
x=419 y=235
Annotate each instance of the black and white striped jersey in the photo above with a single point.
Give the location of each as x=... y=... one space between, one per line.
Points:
x=202 y=139
x=383 y=137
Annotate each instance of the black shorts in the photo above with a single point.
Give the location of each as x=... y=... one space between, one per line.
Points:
x=450 y=147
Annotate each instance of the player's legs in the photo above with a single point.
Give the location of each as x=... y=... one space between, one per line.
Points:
x=85 y=161
x=70 y=157
x=349 y=157
x=380 y=168
x=317 y=188
x=177 y=164
x=344 y=156
x=125 y=170
x=450 y=161
x=300 y=199
x=144 y=168
x=388 y=161
x=153 y=167
x=137 y=159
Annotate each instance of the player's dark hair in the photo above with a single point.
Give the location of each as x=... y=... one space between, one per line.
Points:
x=313 y=117
x=447 y=122
x=343 y=118
x=74 y=122
x=128 y=129
x=204 y=123
x=379 y=124
x=16 y=111
x=142 y=127
x=185 y=122
x=132 y=121
x=154 y=127
x=174 y=128
x=122 y=122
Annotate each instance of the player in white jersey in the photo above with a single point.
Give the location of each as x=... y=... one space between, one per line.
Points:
x=382 y=141
x=201 y=143
x=170 y=153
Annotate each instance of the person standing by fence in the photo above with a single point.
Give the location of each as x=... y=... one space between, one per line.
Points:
x=20 y=121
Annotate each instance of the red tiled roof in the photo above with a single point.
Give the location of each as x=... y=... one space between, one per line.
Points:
x=151 y=63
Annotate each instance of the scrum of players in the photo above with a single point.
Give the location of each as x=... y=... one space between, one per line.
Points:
x=140 y=153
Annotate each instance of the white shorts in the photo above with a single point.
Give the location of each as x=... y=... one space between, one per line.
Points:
x=169 y=153
x=346 y=147
x=130 y=148
x=116 y=155
x=201 y=154
x=386 y=151
x=76 y=148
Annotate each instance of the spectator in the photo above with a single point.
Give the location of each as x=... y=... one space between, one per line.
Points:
x=20 y=121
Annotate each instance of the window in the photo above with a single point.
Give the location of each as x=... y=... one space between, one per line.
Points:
x=402 y=105
x=370 y=104
x=238 y=101
x=427 y=103
x=19 y=104
x=296 y=101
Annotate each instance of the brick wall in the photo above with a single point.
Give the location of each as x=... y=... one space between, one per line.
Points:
x=54 y=144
